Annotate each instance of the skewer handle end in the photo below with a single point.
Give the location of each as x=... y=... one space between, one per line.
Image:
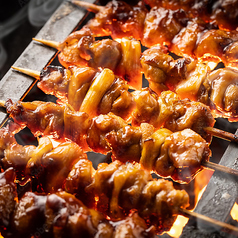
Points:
x=53 y=44
x=32 y=73
x=89 y=6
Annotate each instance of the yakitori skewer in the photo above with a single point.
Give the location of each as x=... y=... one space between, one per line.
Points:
x=188 y=78
x=170 y=26
x=207 y=127
x=222 y=13
x=216 y=11
x=58 y=214
x=41 y=210
x=179 y=155
x=121 y=56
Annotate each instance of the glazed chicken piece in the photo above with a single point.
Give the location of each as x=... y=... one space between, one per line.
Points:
x=147 y=108
x=185 y=42
x=223 y=91
x=225 y=14
x=162 y=25
x=218 y=45
x=161 y=70
x=193 y=115
x=79 y=177
x=129 y=186
x=126 y=143
x=216 y=88
x=14 y=154
x=68 y=85
x=119 y=19
x=168 y=154
x=100 y=126
x=181 y=155
x=50 y=168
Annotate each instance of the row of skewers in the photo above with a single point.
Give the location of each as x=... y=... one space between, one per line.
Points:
x=187 y=77
x=174 y=27
x=95 y=108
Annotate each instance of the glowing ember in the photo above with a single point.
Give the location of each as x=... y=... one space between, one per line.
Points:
x=201 y=181
x=178 y=226
x=234 y=212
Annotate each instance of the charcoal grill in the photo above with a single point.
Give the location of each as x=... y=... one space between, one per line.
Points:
x=222 y=190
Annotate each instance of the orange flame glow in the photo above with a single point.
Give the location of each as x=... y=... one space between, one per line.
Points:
x=201 y=181
x=178 y=226
x=234 y=212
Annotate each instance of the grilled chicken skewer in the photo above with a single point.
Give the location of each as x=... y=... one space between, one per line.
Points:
x=141 y=106
x=222 y=13
x=190 y=78
x=72 y=86
x=41 y=210
x=171 y=26
x=196 y=81
x=59 y=214
x=177 y=155
x=110 y=133
x=121 y=56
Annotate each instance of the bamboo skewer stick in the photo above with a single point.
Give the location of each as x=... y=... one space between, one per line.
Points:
x=221 y=134
x=53 y=44
x=212 y=221
x=219 y=167
x=29 y=72
x=89 y=6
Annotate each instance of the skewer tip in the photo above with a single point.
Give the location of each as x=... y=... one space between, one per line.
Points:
x=29 y=72
x=53 y=44
x=90 y=6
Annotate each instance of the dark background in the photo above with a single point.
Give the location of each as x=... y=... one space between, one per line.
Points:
x=20 y=20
